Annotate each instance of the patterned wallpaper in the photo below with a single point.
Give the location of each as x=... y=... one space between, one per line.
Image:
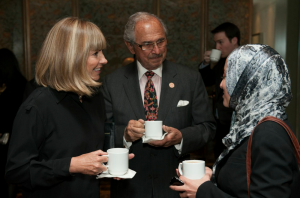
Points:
x=111 y=16
x=234 y=11
x=11 y=35
x=43 y=15
x=182 y=18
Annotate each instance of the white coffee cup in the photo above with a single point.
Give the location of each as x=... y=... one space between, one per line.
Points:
x=192 y=169
x=153 y=129
x=215 y=55
x=117 y=161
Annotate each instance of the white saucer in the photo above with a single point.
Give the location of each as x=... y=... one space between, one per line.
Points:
x=147 y=140
x=130 y=174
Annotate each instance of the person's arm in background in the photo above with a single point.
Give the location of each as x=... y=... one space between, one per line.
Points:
x=206 y=71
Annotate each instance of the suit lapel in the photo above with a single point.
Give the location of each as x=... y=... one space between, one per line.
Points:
x=132 y=90
x=167 y=97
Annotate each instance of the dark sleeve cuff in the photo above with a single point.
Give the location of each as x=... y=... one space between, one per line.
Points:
x=208 y=189
x=205 y=189
x=61 y=167
x=202 y=65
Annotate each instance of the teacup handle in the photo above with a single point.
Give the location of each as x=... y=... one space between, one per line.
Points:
x=106 y=165
x=180 y=168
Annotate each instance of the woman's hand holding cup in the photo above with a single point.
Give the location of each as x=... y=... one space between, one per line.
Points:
x=207 y=57
x=190 y=187
x=89 y=163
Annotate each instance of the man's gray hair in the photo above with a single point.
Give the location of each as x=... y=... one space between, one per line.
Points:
x=129 y=35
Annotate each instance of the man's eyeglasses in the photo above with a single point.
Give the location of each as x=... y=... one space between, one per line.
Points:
x=149 y=46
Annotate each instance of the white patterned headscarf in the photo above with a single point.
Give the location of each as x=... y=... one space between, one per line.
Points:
x=258 y=82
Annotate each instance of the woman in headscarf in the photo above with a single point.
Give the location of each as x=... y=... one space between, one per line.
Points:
x=256 y=84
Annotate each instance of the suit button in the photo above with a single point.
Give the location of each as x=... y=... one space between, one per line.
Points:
x=152 y=155
x=150 y=177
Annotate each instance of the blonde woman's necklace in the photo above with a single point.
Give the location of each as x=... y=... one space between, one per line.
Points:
x=80 y=98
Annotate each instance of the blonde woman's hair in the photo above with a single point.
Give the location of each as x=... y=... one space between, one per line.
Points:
x=62 y=61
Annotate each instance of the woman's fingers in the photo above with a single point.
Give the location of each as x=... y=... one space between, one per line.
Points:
x=91 y=163
x=99 y=152
x=130 y=156
x=208 y=171
x=180 y=190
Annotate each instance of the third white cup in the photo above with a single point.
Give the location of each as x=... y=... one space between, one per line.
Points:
x=192 y=169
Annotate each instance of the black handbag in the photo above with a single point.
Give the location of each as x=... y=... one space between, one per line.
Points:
x=295 y=188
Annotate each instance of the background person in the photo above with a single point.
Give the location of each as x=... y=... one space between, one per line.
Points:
x=12 y=85
x=227 y=38
x=59 y=129
x=179 y=100
x=264 y=91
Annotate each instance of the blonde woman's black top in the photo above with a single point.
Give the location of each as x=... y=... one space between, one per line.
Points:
x=50 y=128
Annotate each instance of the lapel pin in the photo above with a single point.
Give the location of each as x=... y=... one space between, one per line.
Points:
x=171 y=85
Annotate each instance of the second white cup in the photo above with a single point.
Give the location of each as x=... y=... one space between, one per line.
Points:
x=153 y=129
x=117 y=161
x=192 y=169
x=215 y=55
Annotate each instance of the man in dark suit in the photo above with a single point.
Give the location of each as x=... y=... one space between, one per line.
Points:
x=227 y=38
x=177 y=96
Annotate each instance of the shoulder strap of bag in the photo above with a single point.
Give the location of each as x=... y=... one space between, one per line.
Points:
x=290 y=133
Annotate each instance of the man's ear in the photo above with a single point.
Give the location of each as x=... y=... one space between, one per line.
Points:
x=234 y=40
x=130 y=47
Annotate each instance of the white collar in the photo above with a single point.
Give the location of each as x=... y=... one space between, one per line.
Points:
x=142 y=70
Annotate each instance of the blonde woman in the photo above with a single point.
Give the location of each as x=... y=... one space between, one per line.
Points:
x=59 y=130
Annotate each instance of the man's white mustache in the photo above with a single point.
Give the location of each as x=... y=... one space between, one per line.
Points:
x=156 y=56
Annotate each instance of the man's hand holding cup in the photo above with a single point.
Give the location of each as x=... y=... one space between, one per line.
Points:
x=207 y=57
x=134 y=130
